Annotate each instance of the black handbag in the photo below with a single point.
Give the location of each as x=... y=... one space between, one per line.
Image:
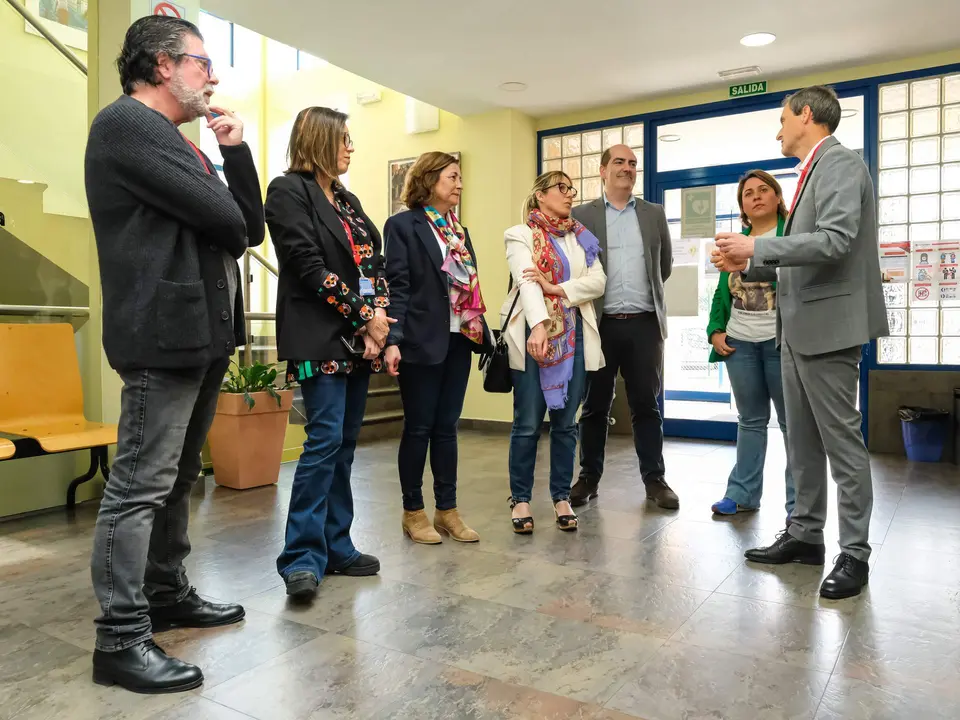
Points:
x=495 y=366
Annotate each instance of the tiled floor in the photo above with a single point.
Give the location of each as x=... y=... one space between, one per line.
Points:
x=642 y=614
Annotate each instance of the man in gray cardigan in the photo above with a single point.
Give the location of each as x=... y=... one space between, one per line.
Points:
x=830 y=303
x=169 y=233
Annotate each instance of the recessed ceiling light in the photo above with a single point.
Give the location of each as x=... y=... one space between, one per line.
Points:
x=26 y=182
x=757 y=39
x=848 y=113
x=513 y=86
x=669 y=138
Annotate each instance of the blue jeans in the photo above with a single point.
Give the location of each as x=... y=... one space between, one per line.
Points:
x=755 y=378
x=529 y=407
x=321 y=505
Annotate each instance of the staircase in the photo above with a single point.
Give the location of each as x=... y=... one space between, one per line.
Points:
x=383 y=417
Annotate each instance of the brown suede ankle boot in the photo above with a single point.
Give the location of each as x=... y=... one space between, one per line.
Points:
x=416 y=526
x=450 y=522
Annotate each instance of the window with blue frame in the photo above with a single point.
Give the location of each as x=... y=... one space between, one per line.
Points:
x=578 y=155
x=919 y=215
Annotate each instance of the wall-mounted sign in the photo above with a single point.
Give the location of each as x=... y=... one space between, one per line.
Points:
x=748 y=89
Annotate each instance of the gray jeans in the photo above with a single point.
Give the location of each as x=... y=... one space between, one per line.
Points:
x=141 y=535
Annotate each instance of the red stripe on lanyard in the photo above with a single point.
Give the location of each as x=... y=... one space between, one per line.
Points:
x=203 y=160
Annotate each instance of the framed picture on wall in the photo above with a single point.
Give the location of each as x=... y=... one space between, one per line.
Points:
x=397 y=174
x=65 y=19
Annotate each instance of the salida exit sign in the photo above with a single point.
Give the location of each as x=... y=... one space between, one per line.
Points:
x=747 y=89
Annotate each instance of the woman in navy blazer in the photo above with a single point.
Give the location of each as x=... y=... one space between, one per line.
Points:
x=436 y=302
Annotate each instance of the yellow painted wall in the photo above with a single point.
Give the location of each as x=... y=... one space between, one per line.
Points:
x=498 y=151
x=43 y=116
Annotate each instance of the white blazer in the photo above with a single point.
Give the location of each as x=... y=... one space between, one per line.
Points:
x=584 y=286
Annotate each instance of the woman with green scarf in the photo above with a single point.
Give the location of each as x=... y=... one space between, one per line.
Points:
x=743 y=332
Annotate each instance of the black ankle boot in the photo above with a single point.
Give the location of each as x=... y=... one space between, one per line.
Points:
x=145 y=668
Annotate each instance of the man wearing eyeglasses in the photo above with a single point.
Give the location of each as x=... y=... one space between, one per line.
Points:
x=169 y=233
x=637 y=255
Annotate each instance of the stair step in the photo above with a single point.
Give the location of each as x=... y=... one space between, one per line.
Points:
x=383 y=391
x=380 y=418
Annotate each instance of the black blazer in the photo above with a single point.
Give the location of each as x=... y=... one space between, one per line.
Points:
x=315 y=260
x=419 y=295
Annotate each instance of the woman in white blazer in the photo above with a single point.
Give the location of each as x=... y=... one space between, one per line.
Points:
x=552 y=339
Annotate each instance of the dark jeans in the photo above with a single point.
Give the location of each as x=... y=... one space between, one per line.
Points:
x=756 y=380
x=432 y=402
x=140 y=540
x=321 y=505
x=529 y=406
x=634 y=347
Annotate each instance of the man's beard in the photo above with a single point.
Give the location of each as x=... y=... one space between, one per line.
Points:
x=193 y=102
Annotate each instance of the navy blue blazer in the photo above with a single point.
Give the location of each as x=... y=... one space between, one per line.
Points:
x=419 y=295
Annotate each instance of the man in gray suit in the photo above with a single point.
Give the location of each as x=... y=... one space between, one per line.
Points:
x=637 y=257
x=830 y=303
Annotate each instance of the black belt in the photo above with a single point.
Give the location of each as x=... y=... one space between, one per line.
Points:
x=626 y=316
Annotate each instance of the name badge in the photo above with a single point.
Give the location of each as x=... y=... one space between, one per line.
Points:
x=366 y=287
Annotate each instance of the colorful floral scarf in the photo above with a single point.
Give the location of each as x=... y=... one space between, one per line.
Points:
x=462 y=280
x=556 y=370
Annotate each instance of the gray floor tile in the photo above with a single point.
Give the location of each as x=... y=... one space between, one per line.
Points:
x=684 y=682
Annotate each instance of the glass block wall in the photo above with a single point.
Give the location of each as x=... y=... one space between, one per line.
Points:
x=919 y=215
x=578 y=155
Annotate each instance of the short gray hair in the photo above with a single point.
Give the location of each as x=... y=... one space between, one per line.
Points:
x=822 y=101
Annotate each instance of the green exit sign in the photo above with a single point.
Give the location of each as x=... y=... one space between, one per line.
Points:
x=747 y=89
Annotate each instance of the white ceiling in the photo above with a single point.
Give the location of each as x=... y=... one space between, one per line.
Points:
x=574 y=54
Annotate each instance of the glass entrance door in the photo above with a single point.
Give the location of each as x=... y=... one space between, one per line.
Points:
x=697 y=401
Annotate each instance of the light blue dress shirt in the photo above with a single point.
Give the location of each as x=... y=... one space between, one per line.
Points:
x=628 y=285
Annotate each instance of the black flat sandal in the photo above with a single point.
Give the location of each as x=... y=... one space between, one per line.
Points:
x=567 y=523
x=523 y=525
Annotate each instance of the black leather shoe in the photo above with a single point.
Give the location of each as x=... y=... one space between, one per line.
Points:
x=584 y=491
x=194 y=612
x=361 y=567
x=661 y=494
x=301 y=585
x=848 y=578
x=787 y=549
x=145 y=668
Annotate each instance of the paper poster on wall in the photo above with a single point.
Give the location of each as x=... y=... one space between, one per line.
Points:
x=923 y=270
x=895 y=261
x=686 y=251
x=923 y=293
x=708 y=267
x=947 y=262
x=948 y=293
x=698 y=212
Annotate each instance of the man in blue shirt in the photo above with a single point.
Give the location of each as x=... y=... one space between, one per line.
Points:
x=637 y=256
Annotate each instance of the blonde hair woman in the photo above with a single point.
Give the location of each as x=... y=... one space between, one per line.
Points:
x=552 y=339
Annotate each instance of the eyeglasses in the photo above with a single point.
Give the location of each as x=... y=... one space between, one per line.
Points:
x=564 y=189
x=204 y=62
x=347 y=141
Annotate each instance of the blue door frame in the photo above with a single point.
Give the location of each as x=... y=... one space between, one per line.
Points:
x=869 y=88
x=724 y=430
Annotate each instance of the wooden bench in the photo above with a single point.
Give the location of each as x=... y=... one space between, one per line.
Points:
x=41 y=399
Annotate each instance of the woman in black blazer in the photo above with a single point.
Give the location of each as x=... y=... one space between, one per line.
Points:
x=331 y=327
x=436 y=301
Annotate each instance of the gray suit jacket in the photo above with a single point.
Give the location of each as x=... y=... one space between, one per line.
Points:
x=829 y=294
x=657 y=248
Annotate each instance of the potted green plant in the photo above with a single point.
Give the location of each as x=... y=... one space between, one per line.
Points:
x=246 y=439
